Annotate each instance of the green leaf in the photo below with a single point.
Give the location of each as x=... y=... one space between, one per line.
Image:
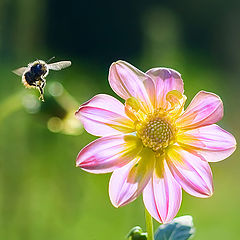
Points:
x=180 y=228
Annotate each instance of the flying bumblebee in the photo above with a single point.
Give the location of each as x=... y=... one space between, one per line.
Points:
x=33 y=76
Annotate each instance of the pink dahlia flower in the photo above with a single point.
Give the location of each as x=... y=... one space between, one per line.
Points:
x=151 y=144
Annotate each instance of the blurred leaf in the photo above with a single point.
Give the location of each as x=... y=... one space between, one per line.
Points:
x=180 y=228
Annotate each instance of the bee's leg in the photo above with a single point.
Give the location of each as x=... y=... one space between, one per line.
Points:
x=40 y=88
x=43 y=83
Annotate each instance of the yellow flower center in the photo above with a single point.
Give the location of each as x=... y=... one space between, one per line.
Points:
x=156 y=131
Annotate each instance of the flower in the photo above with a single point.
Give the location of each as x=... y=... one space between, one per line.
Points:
x=151 y=144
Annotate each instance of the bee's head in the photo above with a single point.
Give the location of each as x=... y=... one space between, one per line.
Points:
x=39 y=66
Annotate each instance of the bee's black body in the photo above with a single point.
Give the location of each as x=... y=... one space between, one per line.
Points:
x=35 y=74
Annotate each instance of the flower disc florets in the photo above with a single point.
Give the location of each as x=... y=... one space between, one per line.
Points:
x=156 y=131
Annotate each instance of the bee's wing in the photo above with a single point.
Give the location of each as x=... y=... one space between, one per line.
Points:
x=59 y=65
x=20 y=71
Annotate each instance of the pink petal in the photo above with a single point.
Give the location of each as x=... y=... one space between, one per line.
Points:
x=127 y=81
x=212 y=142
x=166 y=80
x=108 y=153
x=163 y=195
x=104 y=115
x=192 y=173
x=205 y=109
x=128 y=182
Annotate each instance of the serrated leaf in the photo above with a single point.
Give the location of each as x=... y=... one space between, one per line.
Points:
x=180 y=228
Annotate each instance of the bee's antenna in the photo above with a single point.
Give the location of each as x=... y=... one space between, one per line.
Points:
x=50 y=59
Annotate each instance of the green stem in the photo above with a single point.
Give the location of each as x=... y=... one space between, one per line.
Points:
x=149 y=225
x=10 y=105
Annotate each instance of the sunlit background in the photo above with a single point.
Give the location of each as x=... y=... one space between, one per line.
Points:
x=42 y=194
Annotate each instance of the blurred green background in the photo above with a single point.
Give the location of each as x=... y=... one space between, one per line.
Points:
x=43 y=195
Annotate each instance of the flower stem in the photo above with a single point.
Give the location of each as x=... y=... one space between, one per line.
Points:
x=149 y=225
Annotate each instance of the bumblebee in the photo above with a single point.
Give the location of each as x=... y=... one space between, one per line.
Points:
x=34 y=75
